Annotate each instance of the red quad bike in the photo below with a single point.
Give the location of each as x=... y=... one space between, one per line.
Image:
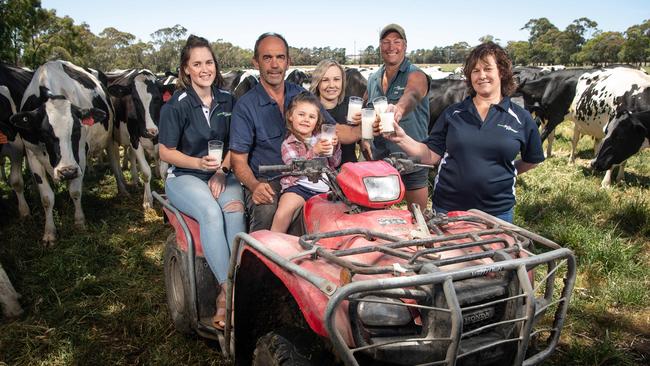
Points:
x=370 y=284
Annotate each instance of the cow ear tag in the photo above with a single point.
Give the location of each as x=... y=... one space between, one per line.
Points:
x=88 y=121
x=166 y=95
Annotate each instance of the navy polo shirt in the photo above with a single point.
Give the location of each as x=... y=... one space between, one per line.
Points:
x=477 y=168
x=258 y=126
x=183 y=126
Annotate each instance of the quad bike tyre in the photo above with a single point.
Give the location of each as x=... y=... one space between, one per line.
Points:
x=177 y=286
x=290 y=347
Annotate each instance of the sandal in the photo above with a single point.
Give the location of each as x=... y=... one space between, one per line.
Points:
x=219 y=318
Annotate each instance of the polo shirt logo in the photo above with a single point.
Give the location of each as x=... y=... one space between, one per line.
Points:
x=508 y=128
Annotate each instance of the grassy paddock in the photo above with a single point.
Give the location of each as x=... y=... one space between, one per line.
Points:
x=97 y=297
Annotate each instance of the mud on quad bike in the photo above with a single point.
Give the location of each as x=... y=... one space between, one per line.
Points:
x=371 y=284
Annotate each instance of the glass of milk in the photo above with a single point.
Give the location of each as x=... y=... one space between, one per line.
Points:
x=387 y=119
x=367 y=120
x=328 y=131
x=380 y=104
x=215 y=149
x=354 y=106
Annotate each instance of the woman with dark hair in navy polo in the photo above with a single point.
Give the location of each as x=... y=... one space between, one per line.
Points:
x=477 y=140
x=198 y=184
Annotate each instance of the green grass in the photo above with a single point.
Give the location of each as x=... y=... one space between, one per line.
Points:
x=97 y=297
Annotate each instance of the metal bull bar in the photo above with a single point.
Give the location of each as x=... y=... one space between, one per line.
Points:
x=446 y=279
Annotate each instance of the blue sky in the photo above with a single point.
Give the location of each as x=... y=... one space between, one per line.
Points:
x=349 y=23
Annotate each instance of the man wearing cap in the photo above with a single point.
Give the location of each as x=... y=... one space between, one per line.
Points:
x=406 y=88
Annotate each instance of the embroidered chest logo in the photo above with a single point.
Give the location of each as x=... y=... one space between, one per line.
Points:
x=508 y=128
x=224 y=114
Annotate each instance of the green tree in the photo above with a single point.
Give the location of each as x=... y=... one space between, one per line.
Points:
x=19 y=20
x=637 y=43
x=167 y=44
x=537 y=28
x=602 y=48
x=489 y=38
x=519 y=52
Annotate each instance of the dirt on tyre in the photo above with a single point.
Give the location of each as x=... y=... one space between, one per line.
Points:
x=177 y=286
x=290 y=347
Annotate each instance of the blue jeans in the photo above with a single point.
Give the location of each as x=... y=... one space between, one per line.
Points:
x=192 y=196
x=505 y=216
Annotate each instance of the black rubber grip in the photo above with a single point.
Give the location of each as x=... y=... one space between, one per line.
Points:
x=274 y=168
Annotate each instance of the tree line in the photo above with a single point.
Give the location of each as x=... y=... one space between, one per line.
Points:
x=30 y=35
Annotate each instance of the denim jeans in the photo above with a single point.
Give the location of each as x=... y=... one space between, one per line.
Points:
x=505 y=216
x=192 y=196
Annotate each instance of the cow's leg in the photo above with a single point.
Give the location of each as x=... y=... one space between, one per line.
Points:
x=144 y=167
x=597 y=145
x=135 y=177
x=8 y=297
x=607 y=179
x=47 y=197
x=125 y=158
x=114 y=158
x=549 y=144
x=621 y=172
x=74 y=188
x=574 y=144
x=16 y=176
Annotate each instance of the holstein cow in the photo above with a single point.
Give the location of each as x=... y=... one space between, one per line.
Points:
x=299 y=77
x=626 y=135
x=247 y=83
x=603 y=96
x=137 y=99
x=65 y=116
x=231 y=79
x=548 y=97
x=13 y=82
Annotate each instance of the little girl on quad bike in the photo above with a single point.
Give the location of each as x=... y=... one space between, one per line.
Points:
x=304 y=141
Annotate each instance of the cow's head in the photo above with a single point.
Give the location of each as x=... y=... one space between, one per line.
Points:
x=56 y=126
x=626 y=135
x=146 y=99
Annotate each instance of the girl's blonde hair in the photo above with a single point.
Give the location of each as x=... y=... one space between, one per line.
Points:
x=319 y=72
x=304 y=97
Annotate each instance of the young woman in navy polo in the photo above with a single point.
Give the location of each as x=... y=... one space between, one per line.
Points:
x=197 y=184
x=476 y=141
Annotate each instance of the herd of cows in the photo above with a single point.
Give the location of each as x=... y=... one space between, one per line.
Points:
x=61 y=114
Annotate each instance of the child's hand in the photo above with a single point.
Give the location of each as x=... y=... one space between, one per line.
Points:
x=323 y=147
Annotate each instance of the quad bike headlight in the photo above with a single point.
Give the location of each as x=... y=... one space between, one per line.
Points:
x=383 y=313
x=382 y=189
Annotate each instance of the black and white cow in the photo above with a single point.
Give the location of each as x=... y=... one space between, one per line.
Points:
x=13 y=82
x=248 y=82
x=65 y=116
x=603 y=97
x=625 y=136
x=137 y=98
x=299 y=77
x=548 y=96
x=231 y=79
